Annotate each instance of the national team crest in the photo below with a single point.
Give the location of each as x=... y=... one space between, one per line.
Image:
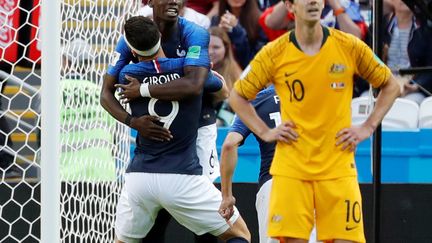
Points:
x=337 y=68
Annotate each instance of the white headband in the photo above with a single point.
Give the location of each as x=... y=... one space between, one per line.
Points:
x=148 y=53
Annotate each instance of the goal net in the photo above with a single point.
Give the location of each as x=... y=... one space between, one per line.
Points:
x=94 y=147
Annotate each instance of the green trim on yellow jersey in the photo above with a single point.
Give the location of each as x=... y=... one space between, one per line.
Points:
x=293 y=37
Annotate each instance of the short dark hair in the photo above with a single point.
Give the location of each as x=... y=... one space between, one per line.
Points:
x=141 y=32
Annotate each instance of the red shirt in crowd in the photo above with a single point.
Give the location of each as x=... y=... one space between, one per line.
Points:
x=202 y=6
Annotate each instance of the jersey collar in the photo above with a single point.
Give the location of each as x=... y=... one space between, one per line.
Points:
x=293 y=38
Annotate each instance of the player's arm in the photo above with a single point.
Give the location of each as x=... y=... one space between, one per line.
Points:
x=120 y=58
x=217 y=87
x=144 y=124
x=189 y=85
x=372 y=69
x=109 y=101
x=389 y=91
x=196 y=67
x=259 y=74
x=228 y=162
x=247 y=113
x=348 y=138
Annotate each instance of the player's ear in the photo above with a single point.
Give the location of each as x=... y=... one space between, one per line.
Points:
x=134 y=53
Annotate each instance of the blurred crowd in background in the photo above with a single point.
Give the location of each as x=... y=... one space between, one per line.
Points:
x=240 y=28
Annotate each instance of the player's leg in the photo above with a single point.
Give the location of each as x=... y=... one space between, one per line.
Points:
x=291 y=210
x=157 y=232
x=137 y=208
x=261 y=205
x=208 y=158
x=237 y=232
x=194 y=202
x=339 y=210
x=206 y=151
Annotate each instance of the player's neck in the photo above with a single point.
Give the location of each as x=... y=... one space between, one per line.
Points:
x=309 y=37
x=166 y=27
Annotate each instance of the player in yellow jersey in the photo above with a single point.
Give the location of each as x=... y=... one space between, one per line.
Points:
x=312 y=69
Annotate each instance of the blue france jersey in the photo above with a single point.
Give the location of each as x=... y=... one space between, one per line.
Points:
x=177 y=156
x=266 y=104
x=190 y=41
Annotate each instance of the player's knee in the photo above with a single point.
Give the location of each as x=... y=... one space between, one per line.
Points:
x=229 y=145
x=239 y=230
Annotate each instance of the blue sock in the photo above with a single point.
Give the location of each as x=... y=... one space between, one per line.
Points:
x=237 y=240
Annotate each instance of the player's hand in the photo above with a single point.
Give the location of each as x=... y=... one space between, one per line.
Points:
x=285 y=132
x=146 y=127
x=129 y=91
x=349 y=138
x=226 y=209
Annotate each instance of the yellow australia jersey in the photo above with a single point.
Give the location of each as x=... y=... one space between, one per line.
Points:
x=315 y=93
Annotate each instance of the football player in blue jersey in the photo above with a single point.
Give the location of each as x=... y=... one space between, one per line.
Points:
x=266 y=104
x=180 y=38
x=166 y=173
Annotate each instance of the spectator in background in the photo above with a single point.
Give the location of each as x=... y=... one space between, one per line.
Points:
x=185 y=12
x=400 y=26
x=239 y=18
x=278 y=13
x=420 y=54
x=222 y=57
x=340 y=14
x=206 y=7
x=264 y=4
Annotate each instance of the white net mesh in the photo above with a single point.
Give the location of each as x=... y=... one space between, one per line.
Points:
x=94 y=147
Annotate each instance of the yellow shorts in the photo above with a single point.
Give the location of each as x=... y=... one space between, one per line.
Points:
x=337 y=204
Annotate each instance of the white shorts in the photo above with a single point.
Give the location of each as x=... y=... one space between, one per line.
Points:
x=262 y=205
x=192 y=200
x=206 y=150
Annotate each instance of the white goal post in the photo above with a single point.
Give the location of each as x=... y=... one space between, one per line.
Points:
x=68 y=154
